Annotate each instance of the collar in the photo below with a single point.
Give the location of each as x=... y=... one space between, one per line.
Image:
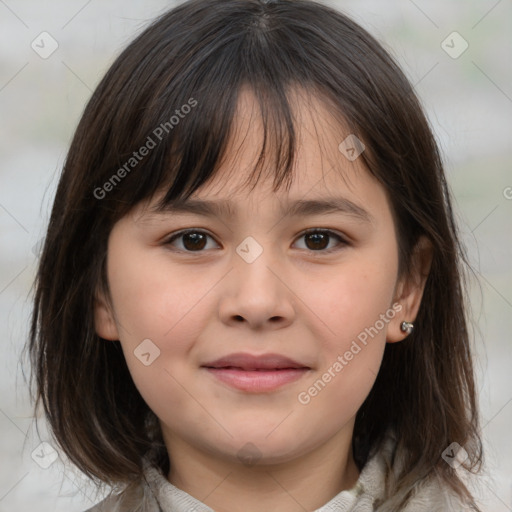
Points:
x=362 y=495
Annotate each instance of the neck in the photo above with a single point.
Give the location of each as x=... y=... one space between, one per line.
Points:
x=304 y=483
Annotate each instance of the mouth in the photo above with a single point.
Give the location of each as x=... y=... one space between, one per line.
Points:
x=249 y=369
x=256 y=374
x=249 y=362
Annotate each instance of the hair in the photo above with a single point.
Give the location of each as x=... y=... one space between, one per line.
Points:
x=201 y=53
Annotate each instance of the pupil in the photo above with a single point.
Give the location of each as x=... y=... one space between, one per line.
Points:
x=197 y=239
x=316 y=238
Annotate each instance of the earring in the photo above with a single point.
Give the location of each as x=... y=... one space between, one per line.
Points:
x=407 y=327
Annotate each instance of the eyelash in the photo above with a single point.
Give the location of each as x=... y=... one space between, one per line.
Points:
x=329 y=232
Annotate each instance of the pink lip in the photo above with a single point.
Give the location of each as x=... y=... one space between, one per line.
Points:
x=246 y=361
x=261 y=373
x=257 y=380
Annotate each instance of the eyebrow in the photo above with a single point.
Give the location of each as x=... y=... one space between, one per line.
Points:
x=298 y=208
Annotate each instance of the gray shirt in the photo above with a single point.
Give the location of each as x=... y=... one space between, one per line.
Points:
x=157 y=494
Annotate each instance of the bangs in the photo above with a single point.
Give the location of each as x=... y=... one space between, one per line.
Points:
x=280 y=117
x=182 y=116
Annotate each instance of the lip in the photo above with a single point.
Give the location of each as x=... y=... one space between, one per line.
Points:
x=256 y=374
x=257 y=381
x=245 y=361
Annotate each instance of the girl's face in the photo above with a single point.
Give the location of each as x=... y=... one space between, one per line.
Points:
x=250 y=281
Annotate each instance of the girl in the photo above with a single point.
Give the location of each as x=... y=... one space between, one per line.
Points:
x=199 y=344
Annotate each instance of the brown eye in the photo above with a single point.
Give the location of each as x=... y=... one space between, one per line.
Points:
x=316 y=240
x=319 y=240
x=192 y=240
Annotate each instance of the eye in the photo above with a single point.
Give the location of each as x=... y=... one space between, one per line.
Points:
x=194 y=240
x=318 y=239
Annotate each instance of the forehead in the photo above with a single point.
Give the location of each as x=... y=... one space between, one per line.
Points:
x=320 y=169
x=318 y=136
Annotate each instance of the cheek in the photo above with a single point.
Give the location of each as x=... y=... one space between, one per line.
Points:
x=157 y=303
x=155 y=299
x=350 y=298
x=355 y=309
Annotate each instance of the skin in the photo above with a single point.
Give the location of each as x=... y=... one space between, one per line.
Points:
x=294 y=300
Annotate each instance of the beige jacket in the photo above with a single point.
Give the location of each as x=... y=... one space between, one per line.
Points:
x=157 y=494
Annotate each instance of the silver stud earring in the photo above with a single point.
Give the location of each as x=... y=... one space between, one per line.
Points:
x=407 y=327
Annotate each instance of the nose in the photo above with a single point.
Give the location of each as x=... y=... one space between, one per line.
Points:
x=257 y=294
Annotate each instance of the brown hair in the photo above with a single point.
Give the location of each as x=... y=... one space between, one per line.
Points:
x=200 y=54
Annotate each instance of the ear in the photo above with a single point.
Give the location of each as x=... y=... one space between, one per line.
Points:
x=104 y=322
x=409 y=289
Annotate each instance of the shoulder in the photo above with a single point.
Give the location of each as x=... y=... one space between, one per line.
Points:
x=379 y=480
x=134 y=498
x=436 y=496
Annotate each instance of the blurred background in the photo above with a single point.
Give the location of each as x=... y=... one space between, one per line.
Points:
x=53 y=53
